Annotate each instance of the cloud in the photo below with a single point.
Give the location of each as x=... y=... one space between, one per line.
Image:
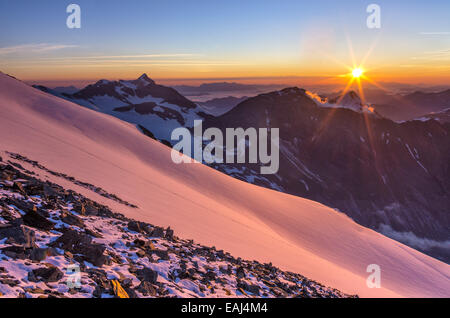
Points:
x=140 y=56
x=438 y=55
x=34 y=48
x=178 y=56
x=434 y=33
x=411 y=239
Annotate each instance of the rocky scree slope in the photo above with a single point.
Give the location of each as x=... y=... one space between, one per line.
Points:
x=48 y=234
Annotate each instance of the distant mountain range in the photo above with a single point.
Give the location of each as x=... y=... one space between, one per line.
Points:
x=391 y=177
x=219 y=106
x=208 y=88
x=213 y=91
x=403 y=107
x=442 y=116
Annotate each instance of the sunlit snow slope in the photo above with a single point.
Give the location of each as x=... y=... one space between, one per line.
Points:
x=205 y=205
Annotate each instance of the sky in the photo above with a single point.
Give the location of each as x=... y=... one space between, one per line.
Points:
x=258 y=41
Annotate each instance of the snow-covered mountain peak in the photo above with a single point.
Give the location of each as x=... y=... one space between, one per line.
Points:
x=350 y=100
x=102 y=82
x=292 y=90
x=152 y=107
x=144 y=78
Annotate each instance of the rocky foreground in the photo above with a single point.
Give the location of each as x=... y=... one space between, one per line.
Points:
x=57 y=243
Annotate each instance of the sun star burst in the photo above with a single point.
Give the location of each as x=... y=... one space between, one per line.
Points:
x=357 y=72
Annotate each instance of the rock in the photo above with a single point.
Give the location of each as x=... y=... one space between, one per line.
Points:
x=15 y=252
x=139 y=243
x=48 y=274
x=93 y=234
x=164 y=255
x=35 y=290
x=73 y=220
x=35 y=219
x=98 y=291
x=134 y=226
x=119 y=292
x=81 y=243
x=254 y=289
x=210 y=276
x=49 y=192
x=147 y=275
x=39 y=254
x=95 y=255
x=7 y=175
x=79 y=208
x=10 y=282
x=146 y=289
x=169 y=233
x=240 y=272
x=90 y=209
x=19 y=187
x=19 y=235
x=141 y=253
x=131 y=293
x=157 y=232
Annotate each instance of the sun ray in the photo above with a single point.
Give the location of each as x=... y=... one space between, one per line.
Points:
x=323 y=125
x=356 y=74
x=361 y=91
x=335 y=60
x=394 y=96
x=346 y=89
x=372 y=47
x=350 y=48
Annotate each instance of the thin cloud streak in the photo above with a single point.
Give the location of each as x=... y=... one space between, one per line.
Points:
x=107 y=57
x=434 y=33
x=34 y=48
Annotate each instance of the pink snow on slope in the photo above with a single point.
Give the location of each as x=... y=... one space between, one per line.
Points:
x=203 y=204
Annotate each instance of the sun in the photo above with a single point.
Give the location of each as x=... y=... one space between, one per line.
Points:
x=357 y=72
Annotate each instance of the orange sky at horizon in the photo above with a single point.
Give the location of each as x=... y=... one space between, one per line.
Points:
x=312 y=44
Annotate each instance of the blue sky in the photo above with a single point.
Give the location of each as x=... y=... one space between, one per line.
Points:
x=212 y=38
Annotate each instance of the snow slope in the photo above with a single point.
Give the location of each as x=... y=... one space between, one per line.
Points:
x=200 y=203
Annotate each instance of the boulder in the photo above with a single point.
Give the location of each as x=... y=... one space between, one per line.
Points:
x=146 y=289
x=134 y=226
x=47 y=274
x=73 y=220
x=169 y=233
x=19 y=187
x=157 y=232
x=15 y=252
x=18 y=234
x=81 y=243
x=254 y=289
x=35 y=219
x=240 y=272
x=147 y=275
x=39 y=254
x=90 y=209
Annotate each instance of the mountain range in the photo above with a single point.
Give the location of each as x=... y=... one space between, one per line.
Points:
x=407 y=106
x=389 y=176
